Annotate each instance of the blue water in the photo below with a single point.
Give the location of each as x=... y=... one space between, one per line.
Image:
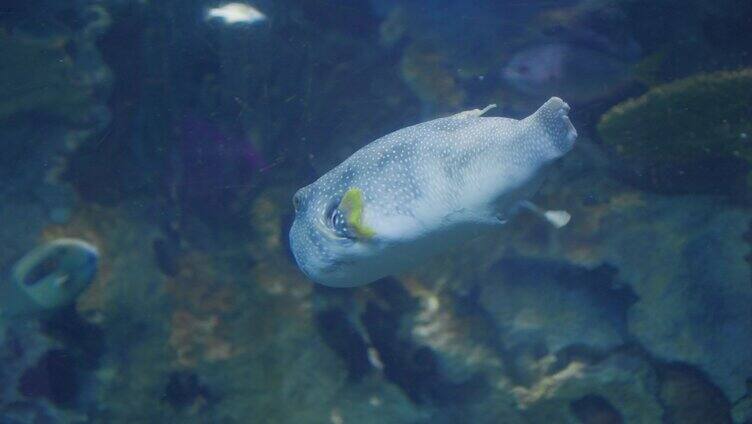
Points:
x=170 y=137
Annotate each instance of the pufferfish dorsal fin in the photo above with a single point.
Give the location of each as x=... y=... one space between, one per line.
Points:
x=474 y=113
x=351 y=206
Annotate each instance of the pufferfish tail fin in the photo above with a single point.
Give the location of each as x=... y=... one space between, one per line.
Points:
x=552 y=120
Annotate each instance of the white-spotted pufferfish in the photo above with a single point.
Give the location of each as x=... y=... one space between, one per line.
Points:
x=424 y=189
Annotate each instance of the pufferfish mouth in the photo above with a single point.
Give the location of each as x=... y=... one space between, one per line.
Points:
x=313 y=258
x=311 y=244
x=326 y=230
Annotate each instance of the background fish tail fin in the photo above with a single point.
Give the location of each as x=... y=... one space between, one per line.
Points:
x=553 y=119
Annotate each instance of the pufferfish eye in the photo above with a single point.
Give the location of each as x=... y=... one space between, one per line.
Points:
x=338 y=223
x=336 y=220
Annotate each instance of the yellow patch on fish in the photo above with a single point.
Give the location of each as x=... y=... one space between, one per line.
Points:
x=351 y=206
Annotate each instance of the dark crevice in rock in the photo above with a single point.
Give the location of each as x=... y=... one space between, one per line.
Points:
x=467 y=303
x=391 y=291
x=344 y=339
x=593 y=409
x=167 y=249
x=747 y=237
x=602 y=284
x=62 y=374
x=184 y=389
x=689 y=397
x=686 y=394
x=54 y=377
x=83 y=339
x=91 y=169
x=412 y=367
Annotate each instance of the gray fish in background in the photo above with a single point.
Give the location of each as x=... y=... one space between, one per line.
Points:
x=578 y=73
x=424 y=189
x=236 y=13
x=49 y=277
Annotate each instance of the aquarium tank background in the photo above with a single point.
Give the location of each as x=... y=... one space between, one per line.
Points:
x=150 y=151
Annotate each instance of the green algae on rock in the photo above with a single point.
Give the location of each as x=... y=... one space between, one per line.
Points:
x=689 y=136
x=684 y=121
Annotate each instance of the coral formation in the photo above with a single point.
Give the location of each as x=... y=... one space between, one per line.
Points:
x=44 y=78
x=692 y=124
x=53 y=87
x=690 y=293
x=701 y=116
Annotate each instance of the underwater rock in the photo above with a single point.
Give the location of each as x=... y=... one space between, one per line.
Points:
x=345 y=339
x=688 y=136
x=195 y=339
x=127 y=303
x=39 y=78
x=49 y=278
x=184 y=389
x=742 y=412
x=593 y=409
x=53 y=99
x=689 y=398
x=423 y=349
x=460 y=334
x=426 y=71
x=54 y=378
x=199 y=331
x=38 y=75
x=21 y=347
x=526 y=335
x=694 y=288
x=247 y=328
x=581 y=308
x=618 y=389
x=684 y=258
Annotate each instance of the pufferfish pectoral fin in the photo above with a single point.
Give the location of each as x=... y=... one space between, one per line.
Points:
x=557 y=218
x=352 y=206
